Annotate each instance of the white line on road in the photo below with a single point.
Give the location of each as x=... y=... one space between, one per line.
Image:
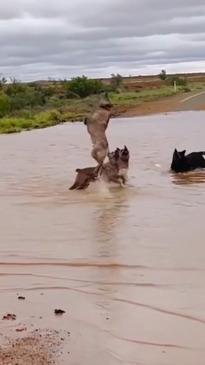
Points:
x=193 y=96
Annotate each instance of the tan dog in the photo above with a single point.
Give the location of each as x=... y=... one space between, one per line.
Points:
x=115 y=170
x=96 y=126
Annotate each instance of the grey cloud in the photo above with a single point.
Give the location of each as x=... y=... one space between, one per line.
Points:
x=46 y=38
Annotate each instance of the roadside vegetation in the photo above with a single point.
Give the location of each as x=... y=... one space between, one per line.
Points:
x=25 y=106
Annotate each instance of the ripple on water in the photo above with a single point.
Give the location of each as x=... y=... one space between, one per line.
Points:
x=120 y=261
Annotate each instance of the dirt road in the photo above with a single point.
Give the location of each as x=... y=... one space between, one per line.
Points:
x=195 y=101
x=182 y=102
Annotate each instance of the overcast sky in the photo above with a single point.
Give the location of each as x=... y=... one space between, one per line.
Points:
x=66 y=38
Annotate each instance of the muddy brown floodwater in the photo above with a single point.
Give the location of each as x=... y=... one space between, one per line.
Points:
x=126 y=265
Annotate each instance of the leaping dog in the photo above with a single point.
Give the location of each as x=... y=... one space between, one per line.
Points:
x=96 y=126
x=115 y=171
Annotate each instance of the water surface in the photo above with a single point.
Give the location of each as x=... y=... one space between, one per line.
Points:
x=128 y=265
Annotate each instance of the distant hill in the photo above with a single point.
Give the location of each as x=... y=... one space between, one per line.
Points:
x=133 y=83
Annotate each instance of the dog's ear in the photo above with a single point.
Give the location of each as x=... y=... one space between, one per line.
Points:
x=177 y=154
x=125 y=151
x=181 y=154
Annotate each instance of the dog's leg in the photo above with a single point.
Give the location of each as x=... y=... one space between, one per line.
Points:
x=98 y=170
x=122 y=184
x=122 y=178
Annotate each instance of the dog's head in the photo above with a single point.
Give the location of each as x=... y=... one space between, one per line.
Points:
x=124 y=154
x=179 y=161
x=119 y=156
x=114 y=156
x=120 y=159
x=105 y=102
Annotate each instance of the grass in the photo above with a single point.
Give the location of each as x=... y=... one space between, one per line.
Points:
x=133 y=98
x=76 y=109
x=17 y=124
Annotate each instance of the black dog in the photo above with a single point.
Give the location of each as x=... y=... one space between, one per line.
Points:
x=185 y=163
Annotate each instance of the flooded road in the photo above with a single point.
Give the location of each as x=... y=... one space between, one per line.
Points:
x=127 y=265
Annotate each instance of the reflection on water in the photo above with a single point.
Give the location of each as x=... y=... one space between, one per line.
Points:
x=189 y=178
x=127 y=264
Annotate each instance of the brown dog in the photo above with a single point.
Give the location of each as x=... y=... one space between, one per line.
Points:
x=96 y=126
x=115 y=170
x=83 y=178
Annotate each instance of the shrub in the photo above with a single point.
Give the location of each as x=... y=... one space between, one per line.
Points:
x=84 y=87
x=5 y=104
x=179 y=81
x=70 y=94
x=55 y=102
x=186 y=89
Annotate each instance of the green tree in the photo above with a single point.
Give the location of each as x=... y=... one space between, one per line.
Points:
x=116 y=80
x=2 y=81
x=163 y=75
x=83 y=86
